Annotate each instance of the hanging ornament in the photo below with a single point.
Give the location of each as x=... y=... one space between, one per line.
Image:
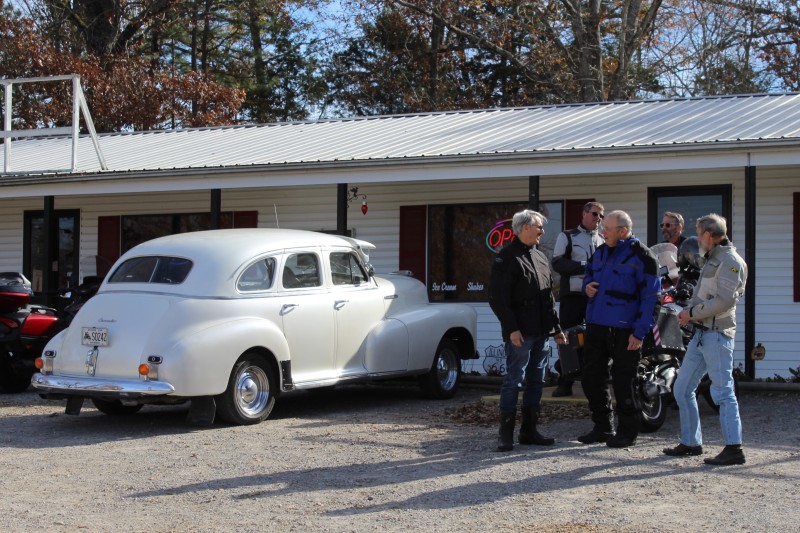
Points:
x=364 y=207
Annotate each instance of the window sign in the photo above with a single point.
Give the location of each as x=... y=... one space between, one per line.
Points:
x=463 y=240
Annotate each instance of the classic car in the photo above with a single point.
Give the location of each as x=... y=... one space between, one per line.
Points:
x=230 y=319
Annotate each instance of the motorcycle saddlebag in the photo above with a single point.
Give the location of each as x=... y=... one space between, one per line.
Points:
x=666 y=336
x=570 y=355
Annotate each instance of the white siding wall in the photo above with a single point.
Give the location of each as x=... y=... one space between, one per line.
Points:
x=314 y=208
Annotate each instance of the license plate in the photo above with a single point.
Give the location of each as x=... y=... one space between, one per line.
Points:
x=94 y=336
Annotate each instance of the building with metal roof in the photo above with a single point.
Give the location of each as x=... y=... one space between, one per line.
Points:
x=736 y=154
x=711 y=124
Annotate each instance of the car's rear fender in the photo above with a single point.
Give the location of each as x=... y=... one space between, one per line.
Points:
x=200 y=364
x=429 y=324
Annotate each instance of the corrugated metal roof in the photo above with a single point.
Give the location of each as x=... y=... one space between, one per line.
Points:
x=529 y=130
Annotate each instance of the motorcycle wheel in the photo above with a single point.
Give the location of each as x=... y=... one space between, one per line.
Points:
x=652 y=414
x=14 y=379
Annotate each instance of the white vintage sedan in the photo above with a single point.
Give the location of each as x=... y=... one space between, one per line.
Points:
x=230 y=319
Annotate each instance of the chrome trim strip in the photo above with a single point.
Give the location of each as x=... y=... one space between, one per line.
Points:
x=78 y=385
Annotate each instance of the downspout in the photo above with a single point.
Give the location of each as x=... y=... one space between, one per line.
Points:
x=341 y=208
x=750 y=259
x=216 y=208
x=50 y=253
x=533 y=192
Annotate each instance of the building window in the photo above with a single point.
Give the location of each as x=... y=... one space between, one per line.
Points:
x=137 y=229
x=691 y=203
x=65 y=270
x=462 y=241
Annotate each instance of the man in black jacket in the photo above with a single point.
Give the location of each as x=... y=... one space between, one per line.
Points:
x=521 y=295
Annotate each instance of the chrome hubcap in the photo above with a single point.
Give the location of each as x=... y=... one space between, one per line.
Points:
x=252 y=390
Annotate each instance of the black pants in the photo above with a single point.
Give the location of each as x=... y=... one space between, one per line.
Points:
x=606 y=358
x=571 y=312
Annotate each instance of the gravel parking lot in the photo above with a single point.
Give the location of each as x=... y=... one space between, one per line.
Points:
x=367 y=458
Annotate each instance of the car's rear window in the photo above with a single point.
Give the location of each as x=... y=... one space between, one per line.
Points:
x=152 y=269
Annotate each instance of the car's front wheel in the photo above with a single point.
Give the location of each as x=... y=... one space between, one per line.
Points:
x=250 y=395
x=445 y=374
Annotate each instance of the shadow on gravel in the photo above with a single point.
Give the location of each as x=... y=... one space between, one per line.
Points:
x=47 y=426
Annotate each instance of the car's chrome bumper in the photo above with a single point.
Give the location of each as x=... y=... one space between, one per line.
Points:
x=80 y=386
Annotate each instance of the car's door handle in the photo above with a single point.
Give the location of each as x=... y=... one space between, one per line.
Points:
x=288 y=307
x=338 y=304
x=391 y=297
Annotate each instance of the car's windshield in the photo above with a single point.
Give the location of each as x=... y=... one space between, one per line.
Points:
x=152 y=269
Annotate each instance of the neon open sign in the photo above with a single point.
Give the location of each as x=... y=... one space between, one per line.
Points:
x=500 y=235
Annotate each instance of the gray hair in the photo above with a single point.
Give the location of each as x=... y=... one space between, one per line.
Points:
x=713 y=223
x=623 y=220
x=526 y=218
x=675 y=216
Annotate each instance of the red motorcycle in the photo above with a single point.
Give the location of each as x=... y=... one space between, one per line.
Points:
x=24 y=331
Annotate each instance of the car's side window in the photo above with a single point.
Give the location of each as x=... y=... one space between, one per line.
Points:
x=301 y=270
x=258 y=276
x=346 y=270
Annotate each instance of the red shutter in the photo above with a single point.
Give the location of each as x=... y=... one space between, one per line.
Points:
x=108 y=238
x=573 y=212
x=413 y=236
x=245 y=219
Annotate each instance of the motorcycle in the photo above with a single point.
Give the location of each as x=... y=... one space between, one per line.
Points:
x=664 y=347
x=24 y=330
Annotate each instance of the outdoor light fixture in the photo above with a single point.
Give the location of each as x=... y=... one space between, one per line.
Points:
x=354 y=196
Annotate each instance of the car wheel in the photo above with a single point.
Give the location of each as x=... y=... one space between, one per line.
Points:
x=442 y=380
x=115 y=407
x=250 y=397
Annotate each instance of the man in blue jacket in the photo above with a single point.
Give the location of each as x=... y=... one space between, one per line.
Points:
x=622 y=285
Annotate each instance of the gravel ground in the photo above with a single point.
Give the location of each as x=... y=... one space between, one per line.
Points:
x=367 y=458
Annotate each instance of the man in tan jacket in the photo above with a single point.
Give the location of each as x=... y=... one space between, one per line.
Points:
x=712 y=310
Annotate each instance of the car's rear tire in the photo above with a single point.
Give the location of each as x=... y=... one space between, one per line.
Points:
x=250 y=395
x=115 y=407
x=444 y=377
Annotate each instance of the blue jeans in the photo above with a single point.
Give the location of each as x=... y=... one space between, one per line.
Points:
x=712 y=352
x=524 y=364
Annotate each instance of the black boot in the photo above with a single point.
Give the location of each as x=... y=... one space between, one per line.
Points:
x=602 y=430
x=731 y=454
x=627 y=432
x=505 y=439
x=528 y=433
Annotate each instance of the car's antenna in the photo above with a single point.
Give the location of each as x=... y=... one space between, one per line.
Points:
x=276 y=216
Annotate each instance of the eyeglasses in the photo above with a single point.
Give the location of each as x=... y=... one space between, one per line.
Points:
x=536 y=226
x=595 y=214
x=610 y=228
x=667 y=225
